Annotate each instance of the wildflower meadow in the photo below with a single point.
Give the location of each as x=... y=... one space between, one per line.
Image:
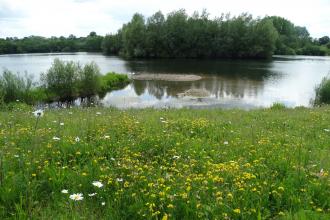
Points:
x=103 y=163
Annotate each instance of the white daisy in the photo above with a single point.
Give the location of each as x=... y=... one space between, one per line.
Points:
x=119 y=179
x=97 y=184
x=65 y=191
x=38 y=113
x=56 y=138
x=77 y=197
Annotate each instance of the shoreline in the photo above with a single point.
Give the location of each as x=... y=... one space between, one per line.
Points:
x=166 y=77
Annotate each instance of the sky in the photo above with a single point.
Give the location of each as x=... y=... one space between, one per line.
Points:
x=20 y=18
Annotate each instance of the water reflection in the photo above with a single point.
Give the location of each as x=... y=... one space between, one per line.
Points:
x=217 y=86
x=234 y=69
x=243 y=84
x=240 y=83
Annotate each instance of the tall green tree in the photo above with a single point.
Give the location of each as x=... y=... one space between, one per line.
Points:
x=93 y=42
x=134 y=37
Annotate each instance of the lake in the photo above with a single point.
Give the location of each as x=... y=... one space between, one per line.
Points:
x=229 y=83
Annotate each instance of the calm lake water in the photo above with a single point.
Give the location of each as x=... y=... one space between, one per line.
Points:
x=231 y=84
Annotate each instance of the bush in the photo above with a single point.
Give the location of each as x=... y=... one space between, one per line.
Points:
x=322 y=92
x=89 y=80
x=61 y=79
x=312 y=50
x=112 y=81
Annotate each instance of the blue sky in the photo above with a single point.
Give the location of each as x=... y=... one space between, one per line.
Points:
x=79 y=17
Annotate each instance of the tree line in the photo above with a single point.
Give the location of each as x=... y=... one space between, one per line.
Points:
x=178 y=35
x=37 y=44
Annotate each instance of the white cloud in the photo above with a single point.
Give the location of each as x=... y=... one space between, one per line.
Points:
x=63 y=17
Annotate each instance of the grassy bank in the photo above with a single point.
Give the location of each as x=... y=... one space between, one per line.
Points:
x=165 y=164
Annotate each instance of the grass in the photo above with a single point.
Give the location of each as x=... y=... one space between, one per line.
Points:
x=165 y=164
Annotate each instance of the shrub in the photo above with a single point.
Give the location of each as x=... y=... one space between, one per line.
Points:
x=62 y=80
x=312 y=50
x=322 y=92
x=112 y=81
x=89 y=80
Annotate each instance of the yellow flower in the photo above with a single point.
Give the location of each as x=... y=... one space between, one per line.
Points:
x=230 y=196
x=238 y=211
x=165 y=217
x=319 y=210
x=184 y=195
x=34 y=175
x=170 y=206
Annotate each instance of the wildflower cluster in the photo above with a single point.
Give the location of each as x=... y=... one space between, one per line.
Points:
x=158 y=164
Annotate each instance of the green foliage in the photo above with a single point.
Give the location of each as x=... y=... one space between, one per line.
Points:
x=38 y=95
x=289 y=36
x=62 y=80
x=37 y=44
x=14 y=87
x=179 y=35
x=66 y=81
x=278 y=106
x=111 y=44
x=324 y=40
x=93 y=42
x=89 y=80
x=133 y=35
x=112 y=81
x=322 y=92
x=312 y=50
